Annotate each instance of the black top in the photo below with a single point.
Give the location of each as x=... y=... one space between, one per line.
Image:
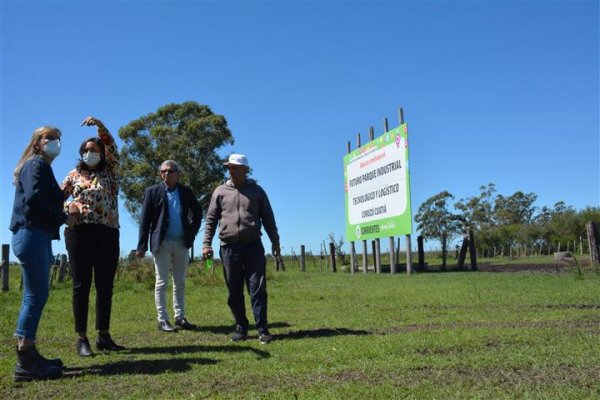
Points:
x=38 y=199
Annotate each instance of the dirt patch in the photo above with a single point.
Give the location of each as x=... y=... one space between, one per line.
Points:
x=560 y=268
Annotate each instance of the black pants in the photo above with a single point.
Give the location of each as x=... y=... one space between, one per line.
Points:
x=93 y=250
x=246 y=262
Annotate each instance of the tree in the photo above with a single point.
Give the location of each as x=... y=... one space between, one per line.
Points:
x=435 y=221
x=515 y=209
x=478 y=214
x=507 y=221
x=188 y=133
x=478 y=210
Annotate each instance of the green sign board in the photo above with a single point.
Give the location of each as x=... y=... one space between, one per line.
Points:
x=377 y=186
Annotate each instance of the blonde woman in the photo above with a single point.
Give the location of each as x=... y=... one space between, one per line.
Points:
x=36 y=218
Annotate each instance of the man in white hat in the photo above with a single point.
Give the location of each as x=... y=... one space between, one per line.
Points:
x=241 y=207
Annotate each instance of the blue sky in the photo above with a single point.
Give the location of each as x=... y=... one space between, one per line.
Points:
x=502 y=92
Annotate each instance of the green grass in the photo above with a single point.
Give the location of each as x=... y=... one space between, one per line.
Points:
x=339 y=336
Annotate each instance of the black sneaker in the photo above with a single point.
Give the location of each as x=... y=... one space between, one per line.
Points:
x=239 y=334
x=183 y=323
x=265 y=337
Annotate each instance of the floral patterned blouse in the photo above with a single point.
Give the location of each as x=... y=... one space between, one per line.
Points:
x=95 y=192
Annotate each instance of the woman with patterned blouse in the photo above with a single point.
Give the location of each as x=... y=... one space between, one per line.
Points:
x=93 y=243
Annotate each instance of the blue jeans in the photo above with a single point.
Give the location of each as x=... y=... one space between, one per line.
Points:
x=246 y=262
x=33 y=248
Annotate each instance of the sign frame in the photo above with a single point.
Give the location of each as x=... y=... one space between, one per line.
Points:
x=377 y=187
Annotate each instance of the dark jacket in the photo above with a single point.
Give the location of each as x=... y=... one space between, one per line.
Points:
x=154 y=221
x=38 y=199
x=240 y=213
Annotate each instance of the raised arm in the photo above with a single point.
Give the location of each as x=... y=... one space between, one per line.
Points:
x=110 y=147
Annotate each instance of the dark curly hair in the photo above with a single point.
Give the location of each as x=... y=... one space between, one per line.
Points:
x=83 y=166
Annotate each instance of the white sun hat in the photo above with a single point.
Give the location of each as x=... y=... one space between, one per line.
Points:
x=238 y=159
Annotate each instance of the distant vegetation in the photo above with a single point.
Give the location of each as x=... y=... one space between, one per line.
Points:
x=503 y=224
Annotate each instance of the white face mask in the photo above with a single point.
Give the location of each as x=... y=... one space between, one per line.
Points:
x=52 y=148
x=91 y=158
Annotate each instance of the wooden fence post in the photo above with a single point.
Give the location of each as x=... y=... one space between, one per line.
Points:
x=421 y=252
x=302 y=258
x=463 y=252
x=332 y=256
x=353 y=262
x=472 y=251
x=5 y=266
x=408 y=244
x=326 y=255
x=408 y=256
x=365 y=259
x=295 y=258
x=321 y=259
x=53 y=269
x=279 y=265
x=377 y=256
x=594 y=242
x=62 y=269
x=392 y=256
x=373 y=253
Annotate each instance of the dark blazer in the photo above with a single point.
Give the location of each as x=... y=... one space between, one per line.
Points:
x=38 y=199
x=154 y=220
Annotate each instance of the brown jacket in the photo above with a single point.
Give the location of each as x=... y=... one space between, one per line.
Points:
x=240 y=214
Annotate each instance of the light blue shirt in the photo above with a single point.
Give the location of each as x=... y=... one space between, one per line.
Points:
x=175 y=230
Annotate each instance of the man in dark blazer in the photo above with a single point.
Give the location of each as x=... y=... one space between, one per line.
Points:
x=170 y=218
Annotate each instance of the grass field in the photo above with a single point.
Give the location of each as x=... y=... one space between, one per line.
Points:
x=451 y=335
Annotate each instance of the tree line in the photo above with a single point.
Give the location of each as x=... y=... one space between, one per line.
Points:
x=502 y=222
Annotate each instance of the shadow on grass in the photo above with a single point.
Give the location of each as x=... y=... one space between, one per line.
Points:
x=228 y=329
x=198 y=349
x=139 y=367
x=321 y=332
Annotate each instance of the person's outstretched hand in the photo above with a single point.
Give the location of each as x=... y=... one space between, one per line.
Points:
x=91 y=121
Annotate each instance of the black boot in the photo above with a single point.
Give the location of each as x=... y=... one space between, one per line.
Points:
x=105 y=342
x=54 y=362
x=83 y=347
x=29 y=367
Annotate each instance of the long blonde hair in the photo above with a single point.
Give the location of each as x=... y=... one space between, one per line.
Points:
x=33 y=148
